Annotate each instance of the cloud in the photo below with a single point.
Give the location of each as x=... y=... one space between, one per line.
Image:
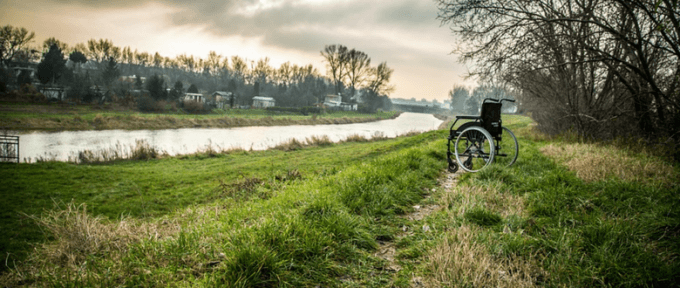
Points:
x=365 y=25
x=303 y=25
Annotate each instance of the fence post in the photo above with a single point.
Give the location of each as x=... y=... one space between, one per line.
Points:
x=9 y=148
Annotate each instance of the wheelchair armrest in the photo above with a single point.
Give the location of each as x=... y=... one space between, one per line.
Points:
x=468 y=117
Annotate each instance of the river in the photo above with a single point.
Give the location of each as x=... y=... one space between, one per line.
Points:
x=62 y=145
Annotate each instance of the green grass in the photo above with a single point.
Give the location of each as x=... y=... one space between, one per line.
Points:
x=159 y=187
x=317 y=216
x=611 y=232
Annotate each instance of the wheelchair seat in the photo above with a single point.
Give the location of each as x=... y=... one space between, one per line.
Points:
x=490 y=118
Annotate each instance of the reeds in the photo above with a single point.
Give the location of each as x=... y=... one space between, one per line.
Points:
x=141 y=150
x=321 y=141
x=324 y=141
x=356 y=138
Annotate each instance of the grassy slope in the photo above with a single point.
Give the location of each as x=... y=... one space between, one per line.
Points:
x=156 y=187
x=538 y=224
x=535 y=218
x=57 y=117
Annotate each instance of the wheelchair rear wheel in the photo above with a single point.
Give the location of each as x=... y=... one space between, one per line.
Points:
x=507 y=149
x=474 y=149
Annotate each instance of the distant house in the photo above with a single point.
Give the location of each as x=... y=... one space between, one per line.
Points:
x=194 y=97
x=349 y=106
x=222 y=98
x=263 y=102
x=131 y=79
x=54 y=92
x=138 y=92
x=333 y=100
x=336 y=101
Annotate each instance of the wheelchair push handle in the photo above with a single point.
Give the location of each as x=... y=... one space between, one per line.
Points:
x=497 y=101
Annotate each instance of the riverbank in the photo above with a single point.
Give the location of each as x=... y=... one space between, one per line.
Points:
x=356 y=214
x=17 y=116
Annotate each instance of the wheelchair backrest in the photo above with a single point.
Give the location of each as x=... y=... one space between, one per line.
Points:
x=491 y=118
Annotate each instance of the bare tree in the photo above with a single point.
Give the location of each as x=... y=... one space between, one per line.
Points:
x=336 y=57
x=285 y=72
x=13 y=40
x=583 y=63
x=357 y=66
x=213 y=62
x=379 y=82
x=262 y=70
x=47 y=44
x=239 y=66
x=101 y=50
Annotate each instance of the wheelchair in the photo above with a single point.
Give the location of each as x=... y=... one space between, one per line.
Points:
x=478 y=143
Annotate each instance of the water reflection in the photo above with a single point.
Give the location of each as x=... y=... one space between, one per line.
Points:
x=61 y=145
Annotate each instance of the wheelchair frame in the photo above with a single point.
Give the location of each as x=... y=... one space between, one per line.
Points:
x=477 y=144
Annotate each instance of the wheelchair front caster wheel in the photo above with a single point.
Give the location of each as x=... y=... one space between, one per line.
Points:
x=453 y=167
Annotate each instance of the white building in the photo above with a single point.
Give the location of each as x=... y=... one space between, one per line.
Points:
x=194 y=97
x=333 y=100
x=54 y=92
x=336 y=101
x=263 y=102
x=222 y=98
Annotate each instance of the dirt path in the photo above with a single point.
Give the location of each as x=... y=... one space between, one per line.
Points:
x=387 y=250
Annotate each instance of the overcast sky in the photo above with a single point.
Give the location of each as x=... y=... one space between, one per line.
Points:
x=403 y=33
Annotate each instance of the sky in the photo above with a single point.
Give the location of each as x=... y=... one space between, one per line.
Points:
x=403 y=33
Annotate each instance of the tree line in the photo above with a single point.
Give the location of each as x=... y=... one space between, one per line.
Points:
x=469 y=101
x=101 y=63
x=603 y=69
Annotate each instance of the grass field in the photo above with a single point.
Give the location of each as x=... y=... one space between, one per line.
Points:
x=60 y=117
x=326 y=215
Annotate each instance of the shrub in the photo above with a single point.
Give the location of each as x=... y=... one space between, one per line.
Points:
x=310 y=109
x=194 y=107
x=146 y=104
x=283 y=109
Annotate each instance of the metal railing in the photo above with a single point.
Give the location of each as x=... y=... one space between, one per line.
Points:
x=9 y=148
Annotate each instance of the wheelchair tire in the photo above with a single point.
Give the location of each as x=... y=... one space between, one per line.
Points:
x=453 y=167
x=509 y=148
x=474 y=149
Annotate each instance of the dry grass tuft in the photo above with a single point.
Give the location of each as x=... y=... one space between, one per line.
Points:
x=464 y=198
x=461 y=262
x=411 y=133
x=319 y=141
x=142 y=150
x=291 y=175
x=594 y=162
x=356 y=138
x=241 y=190
x=79 y=235
x=291 y=145
x=379 y=135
